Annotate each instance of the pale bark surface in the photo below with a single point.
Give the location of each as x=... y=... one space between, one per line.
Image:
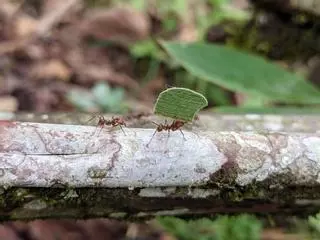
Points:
x=226 y=163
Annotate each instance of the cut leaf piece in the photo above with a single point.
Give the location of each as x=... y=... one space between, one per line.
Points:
x=180 y=103
x=241 y=72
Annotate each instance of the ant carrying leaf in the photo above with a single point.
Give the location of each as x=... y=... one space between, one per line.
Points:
x=114 y=122
x=181 y=104
x=174 y=126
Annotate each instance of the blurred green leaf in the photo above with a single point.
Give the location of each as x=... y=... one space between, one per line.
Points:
x=178 y=227
x=314 y=223
x=82 y=100
x=264 y=110
x=170 y=24
x=242 y=72
x=254 y=101
x=242 y=227
x=102 y=94
x=179 y=103
x=107 y=98
x=147 y=48
x=144 y=48
x=185 y=79
x=139 y=4
x=218 y=95
x=101 y=98
x=223 y=10
x=172 y=6
x=219 y=3
x=212 y=92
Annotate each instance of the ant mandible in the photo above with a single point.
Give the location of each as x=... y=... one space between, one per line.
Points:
x=114 y=122
x=174 y=126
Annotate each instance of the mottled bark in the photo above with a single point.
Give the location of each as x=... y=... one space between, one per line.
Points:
x=227 y=163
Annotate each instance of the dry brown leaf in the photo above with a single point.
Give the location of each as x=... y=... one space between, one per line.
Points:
x=54 y=5
x=240 y=4
x=117 y=24
x=156 y=84
x=53 y=69
x=24 y=26
x=93 y=65
x=97 y=73
x=35 y=51
x=104 y=73
x=44 y=26
x=278 y=234
x=8 y=83
x=8 y=104
x=240 y=98
x=314 y=71
x=8 y=8
x=188 y=33
x=15 y=24
x=45 y=99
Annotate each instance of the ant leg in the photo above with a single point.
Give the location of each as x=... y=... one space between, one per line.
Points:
x=151 y=138
x=122 y=129
x=94 y=116
x=182 y=135
x=168 y=136
x=94 y=132
x=101 y=127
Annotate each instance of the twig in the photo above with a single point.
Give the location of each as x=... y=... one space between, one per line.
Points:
x=56 y=170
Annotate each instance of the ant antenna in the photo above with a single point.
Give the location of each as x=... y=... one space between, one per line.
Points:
x=94 y=116
x=151 y=138
x=168 y=86
x=155 y=123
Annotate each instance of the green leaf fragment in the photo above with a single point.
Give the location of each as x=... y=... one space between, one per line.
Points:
x=180 y=103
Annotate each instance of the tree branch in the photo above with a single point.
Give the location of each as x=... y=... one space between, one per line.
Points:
x=55 y=170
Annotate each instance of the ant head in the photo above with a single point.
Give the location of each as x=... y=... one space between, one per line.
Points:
x=121 y=121
x=118 y=120
x=101 y=118
x=178 y=123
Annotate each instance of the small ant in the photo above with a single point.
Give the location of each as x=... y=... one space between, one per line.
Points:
x=114 y=122
x=174 y=126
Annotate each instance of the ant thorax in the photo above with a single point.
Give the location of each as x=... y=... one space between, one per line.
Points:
x=114 y=122
x=174 y=126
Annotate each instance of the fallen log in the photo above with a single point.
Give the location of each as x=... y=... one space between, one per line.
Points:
x=60 y=170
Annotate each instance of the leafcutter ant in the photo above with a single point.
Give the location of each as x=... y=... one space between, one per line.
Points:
x=114 y=122
x=174 y=126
